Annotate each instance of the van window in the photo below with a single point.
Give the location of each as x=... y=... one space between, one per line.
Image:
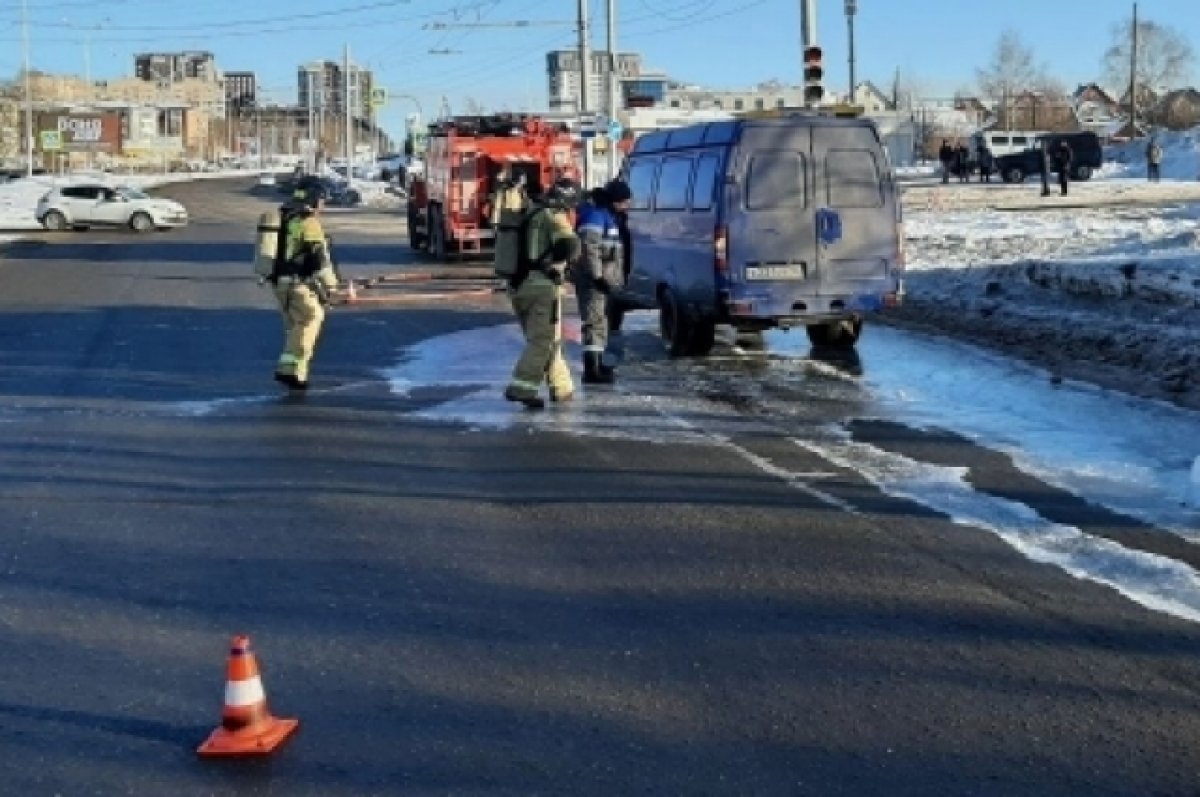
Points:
x=673 y=182
x=641 y=183
x=775 y=180
x=1000 y=140
x=684 y=137
x=705 y=181
x=852 y=179
x=1019 y=141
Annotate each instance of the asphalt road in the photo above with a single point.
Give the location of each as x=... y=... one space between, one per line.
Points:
x=507 y=610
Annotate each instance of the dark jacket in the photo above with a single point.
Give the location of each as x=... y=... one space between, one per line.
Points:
x=1061 y=157
x=946 y=153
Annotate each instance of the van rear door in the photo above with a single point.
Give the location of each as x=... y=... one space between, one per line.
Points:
x=857 y=216
x=770 y=222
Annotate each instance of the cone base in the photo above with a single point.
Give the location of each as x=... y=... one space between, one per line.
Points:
x=260 y=741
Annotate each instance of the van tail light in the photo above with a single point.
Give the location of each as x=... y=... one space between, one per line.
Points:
x=721 y=250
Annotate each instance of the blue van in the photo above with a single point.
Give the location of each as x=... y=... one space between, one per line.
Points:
x=761 y=223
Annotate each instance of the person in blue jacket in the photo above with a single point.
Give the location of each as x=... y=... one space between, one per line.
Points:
x=599 y=273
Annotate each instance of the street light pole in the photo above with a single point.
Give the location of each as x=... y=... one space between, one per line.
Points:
x=349 y=108
x=585 y=77
x=851 y=11
x=613 y=84
x=28 y=91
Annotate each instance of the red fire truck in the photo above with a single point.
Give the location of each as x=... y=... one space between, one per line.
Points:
x=449 y=205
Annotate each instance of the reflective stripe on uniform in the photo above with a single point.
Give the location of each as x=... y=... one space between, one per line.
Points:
x=594 y=348
x=521 y=384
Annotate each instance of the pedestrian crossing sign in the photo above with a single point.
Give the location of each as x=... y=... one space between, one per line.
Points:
x=51 y=140
x=378 y=97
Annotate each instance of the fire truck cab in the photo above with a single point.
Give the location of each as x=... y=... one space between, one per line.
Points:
x=449 y=206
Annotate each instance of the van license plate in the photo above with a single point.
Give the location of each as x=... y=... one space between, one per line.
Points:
x=775 y=272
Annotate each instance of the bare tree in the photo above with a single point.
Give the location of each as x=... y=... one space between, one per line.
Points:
x=1164 y=57
x=1011 y=71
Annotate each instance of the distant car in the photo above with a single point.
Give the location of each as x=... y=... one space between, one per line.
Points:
x=93 y=205
x=1086 y=157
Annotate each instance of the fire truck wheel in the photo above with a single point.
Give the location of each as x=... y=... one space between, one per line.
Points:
x=416 y=241
x=437 y=234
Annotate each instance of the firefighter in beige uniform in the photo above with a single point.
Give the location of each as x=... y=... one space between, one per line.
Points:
x=549 y=246
x=293 y=255
x=510 y=196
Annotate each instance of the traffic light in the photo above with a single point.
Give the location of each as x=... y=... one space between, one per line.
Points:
x=814 y=76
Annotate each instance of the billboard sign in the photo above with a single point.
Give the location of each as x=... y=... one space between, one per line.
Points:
x=81 y=132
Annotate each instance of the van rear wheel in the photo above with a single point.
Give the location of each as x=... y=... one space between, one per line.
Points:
x=1014 y=174
x=1083 y=173
x=836 y=334
x=704 y=337
x=673 y=327
x=683 y=335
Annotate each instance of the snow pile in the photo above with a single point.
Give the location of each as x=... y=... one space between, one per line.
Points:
x=1181 y=156
x=1105 y=287
x=19 y=198
x=1105 y=252
x=18 y=202
x=1109 y=253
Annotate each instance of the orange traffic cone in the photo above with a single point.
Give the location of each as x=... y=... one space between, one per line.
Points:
x=247 y=727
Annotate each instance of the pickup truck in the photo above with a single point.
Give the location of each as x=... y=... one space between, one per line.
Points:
x=1086 y=157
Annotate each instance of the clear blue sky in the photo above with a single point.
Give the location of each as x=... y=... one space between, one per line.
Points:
x=719 y=43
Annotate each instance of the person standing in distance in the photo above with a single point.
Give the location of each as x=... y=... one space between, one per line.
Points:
x=1044 y=161
x=599 y=273
x=303 y=277
x=547 y=249
x=1062 y=164
x=946 y=156
x=1154 y=156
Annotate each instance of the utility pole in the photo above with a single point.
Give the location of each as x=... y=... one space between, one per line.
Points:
x=851 y=10
x=585 y=77
x=311 y=156
x=614 y=84
x=28 y=91
x=808 y=22
x=1133 y=49
x=348 y=101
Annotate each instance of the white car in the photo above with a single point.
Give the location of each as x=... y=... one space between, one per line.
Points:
x=96 y=205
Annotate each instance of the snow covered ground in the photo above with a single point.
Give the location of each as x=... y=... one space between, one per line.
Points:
x=1181 y=157
x=1103 y=284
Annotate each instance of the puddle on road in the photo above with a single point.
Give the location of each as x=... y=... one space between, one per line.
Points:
x=1123 y=453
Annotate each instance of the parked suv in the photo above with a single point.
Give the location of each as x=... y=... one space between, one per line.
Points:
x=94 y=205
x=1086 y=157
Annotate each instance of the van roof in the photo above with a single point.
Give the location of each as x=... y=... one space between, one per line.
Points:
x=727 y=131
